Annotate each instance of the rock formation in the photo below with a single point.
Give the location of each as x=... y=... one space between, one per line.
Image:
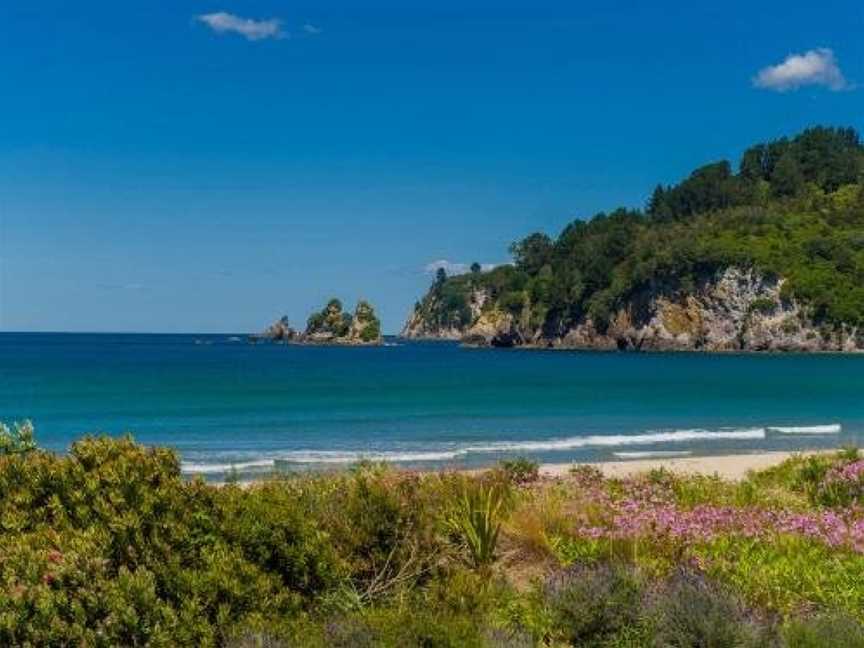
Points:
x=734 y=309
x=331 y=325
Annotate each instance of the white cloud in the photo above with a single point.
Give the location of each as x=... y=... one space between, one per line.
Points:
x=815 y=67
x=311 y=29
x=452 y=268
x=253 y=30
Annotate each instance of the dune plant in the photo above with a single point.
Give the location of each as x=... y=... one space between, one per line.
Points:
x=520 y=470
x=17 y=439
x=476 y=518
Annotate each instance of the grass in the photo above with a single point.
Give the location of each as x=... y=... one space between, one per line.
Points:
x=108 y=545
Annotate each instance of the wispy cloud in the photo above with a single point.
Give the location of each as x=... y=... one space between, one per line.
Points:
x=311 y=29
x=814 y=67
x=120 y=286
x=454 y=268
x=253 y=30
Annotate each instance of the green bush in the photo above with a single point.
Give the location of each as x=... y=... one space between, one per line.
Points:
x=476 y=519
x=794 y=210
x=109 y=545
x=520 y=471
x=689 y=610
x=589 y=603
x=18 y=439
x=834 y=630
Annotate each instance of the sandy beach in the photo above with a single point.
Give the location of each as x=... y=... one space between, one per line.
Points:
x=726 y=466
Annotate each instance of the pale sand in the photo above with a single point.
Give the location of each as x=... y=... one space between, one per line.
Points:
x=726 y=466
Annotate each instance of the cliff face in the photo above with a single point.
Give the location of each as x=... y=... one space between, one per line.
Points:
x=732 y=310
x=432 y=320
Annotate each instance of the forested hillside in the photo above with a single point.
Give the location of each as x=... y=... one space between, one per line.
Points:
x=789 y=222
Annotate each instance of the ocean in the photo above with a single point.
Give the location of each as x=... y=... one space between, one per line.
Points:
x=226 y=405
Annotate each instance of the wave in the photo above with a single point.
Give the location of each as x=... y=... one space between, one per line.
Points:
x=336 y=457
x=343 y=457
x=215 y=468
x=319 y=457
x=832 y=428
x=650 y=438
x=653 y=454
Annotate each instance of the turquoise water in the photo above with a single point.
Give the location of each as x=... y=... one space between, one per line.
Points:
x=222 y=402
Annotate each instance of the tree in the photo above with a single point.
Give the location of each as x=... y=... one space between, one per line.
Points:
x=753 y=164
x=440 y=276
x=787 y=179
x=658 y=206
x=532 y=252
x=813 y=236
x=476 y=267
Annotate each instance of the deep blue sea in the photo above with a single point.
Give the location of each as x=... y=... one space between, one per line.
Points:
x=221 y=402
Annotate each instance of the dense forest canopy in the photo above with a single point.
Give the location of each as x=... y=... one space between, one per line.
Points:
x=795 y=209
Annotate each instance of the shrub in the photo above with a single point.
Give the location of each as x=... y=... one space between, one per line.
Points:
x=520 y=471
x=273 y=532
x=587 y=474
x=476 y=520
x=18 y=439
x=763 y=305
x=690 y=610
x=588 y=603
x=382 y=524
x=835 y=630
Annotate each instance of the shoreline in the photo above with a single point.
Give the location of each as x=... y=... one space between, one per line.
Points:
x=730 y=467
x=640 y=351
x=733 y=467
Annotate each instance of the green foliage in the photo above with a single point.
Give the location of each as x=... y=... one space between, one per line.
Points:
x=520 y=470
x=364 y=313
x=590 y=603
x=794 y=210
x=763 y=305
x=333 y=322
x=18 y=439
x=109 y=545
x=835 y=630
x=787 y=574
x=476 y=519
x=690 y=610
x=371 y=332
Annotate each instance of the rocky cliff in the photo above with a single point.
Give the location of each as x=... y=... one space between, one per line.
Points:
x=331 y=325
x=433 y=319
x=734 y=309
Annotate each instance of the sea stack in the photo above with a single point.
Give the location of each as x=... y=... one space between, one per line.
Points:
x=330 y=326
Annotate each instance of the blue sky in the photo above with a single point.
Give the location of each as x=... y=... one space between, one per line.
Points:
x=166 y=166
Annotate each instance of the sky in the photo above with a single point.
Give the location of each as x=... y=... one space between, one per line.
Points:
x=208 y=166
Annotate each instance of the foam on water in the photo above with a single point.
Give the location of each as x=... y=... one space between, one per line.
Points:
x=216 y=468
x=832 y=428
x=336 y=457
x=343 y=457
x=649 y=438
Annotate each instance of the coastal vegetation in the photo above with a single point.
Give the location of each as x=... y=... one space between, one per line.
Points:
x=108 y=545
x=794 y=210
x=331 y=325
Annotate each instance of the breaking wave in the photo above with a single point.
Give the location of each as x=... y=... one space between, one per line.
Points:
x=599 y=441
x=832 y=428
x=344 y=457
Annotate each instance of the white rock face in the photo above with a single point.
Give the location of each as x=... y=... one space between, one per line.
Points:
x=419 y=327
x=736 y=309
